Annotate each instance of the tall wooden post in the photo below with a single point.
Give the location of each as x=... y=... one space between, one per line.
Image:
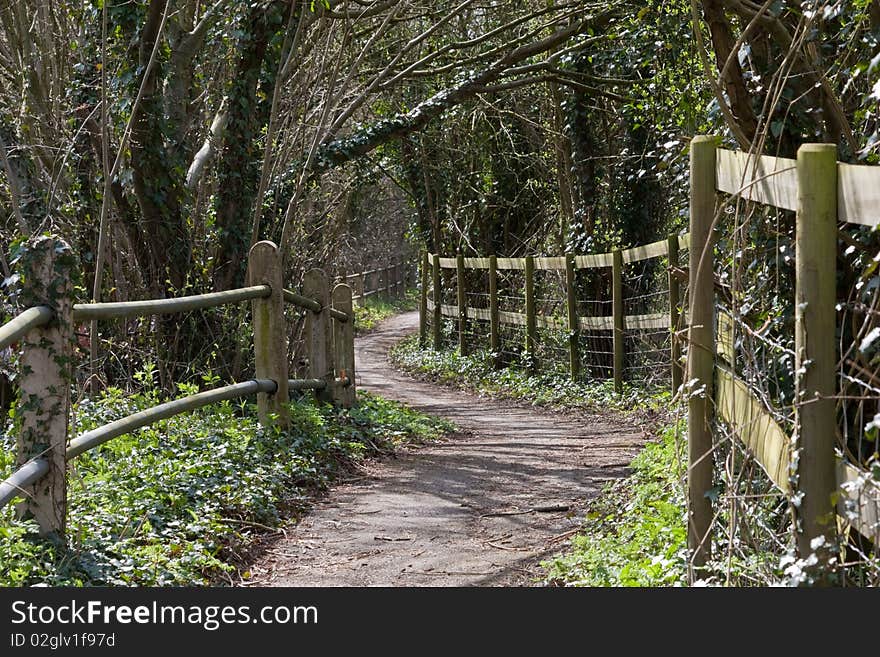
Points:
x=343 y=347
x=574 y=360
x=437 y=325
x=674 y=301
x=364 y=288
x=462 y=305
x=44 y=382
x=617 y=310
x=270 y=333
x=423 y=302
x=494 y=317
x=398 y=282
x=531 y=318
x=815 y=360
x=701 y=350
x=318 y=333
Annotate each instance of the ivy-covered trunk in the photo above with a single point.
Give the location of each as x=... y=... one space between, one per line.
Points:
x=238 y=169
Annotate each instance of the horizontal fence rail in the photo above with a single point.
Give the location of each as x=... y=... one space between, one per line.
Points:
x=656 y=249
x=13 y=330
x=125 y=309
x=27 y=475
x=165 y=411
x=773 y=181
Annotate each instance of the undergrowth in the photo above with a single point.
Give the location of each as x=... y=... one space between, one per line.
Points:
x=634 y=533
x=179 y=503
x=552 y=388
x=375 y=310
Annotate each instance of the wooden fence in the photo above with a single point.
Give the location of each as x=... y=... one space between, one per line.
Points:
x=616 y=324
x=44 y=333
x=803 y=466
x=385 y=282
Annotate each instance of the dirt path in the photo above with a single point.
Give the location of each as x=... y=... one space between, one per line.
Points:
x=479 y=509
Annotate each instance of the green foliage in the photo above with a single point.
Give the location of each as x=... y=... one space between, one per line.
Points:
x=375 y=310
x=173 y=504
x=635 y=533
x=553 y=388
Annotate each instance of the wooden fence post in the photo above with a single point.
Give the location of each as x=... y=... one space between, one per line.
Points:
x=619 y=332
x=574 y=359
x=343 y=347
x=270 y=341
x=423 y=302
x=494 y=317
x=44 y=381
x=674 y=301
x=815 y=360
x=364 y=288
x=398 y=277
x=318 y=334
x=462 y=305
x=701 y=350
x=388 y=273
x=531 y=319
x=437 y=325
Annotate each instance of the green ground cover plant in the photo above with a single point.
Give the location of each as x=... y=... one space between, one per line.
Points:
x=181 y=502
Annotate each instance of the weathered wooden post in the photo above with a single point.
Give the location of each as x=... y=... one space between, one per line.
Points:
x=270 y=340
x=531 y=318
x=574 y=359
x=701 y=350
x=815 y=324
x=389 y=271
x=423 y=301
x=494 y=317
x=364 y=288
x=674 y=301
x=344 y=393
x=318 y=333
x=462 y=305
x=617 y=311
x=437 y=325
x=43 y=408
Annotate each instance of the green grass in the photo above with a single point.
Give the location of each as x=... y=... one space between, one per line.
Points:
x=180 y=502
x=375 y=310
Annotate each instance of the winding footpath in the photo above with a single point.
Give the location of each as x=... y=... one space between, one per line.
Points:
x=481 y=508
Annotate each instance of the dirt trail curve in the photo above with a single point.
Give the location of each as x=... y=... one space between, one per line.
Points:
x=479 y=509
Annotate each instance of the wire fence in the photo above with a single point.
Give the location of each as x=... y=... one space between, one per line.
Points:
x=532 y=303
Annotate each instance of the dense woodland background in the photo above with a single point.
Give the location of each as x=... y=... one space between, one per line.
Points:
x=162 y=138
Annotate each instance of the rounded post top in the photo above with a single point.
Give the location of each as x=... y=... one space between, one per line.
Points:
x=809 y=148
x=702 y=139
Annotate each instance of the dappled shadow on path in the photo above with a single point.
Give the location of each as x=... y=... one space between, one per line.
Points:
x=480 y=508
